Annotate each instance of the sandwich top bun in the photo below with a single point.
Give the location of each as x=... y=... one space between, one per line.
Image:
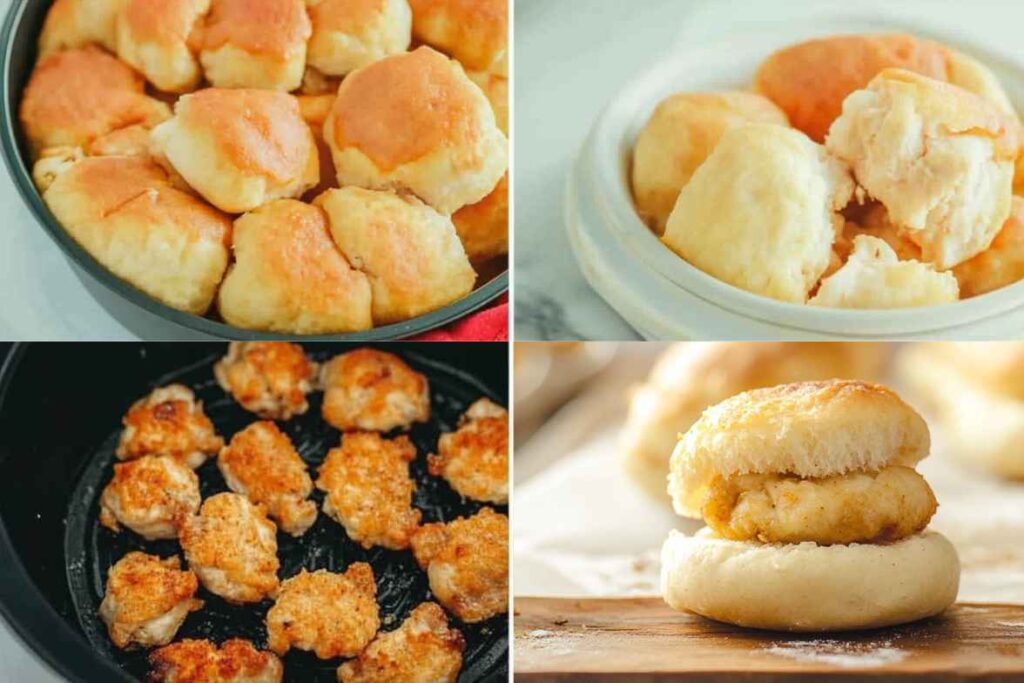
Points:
x=940 y=159
x=810 y=80
x=761 y=212
x=808 y=429
x=690 y=377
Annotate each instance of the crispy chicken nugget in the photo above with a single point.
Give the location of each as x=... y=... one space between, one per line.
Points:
x=270 y=379
x=474 y=458
x=466 y=561
x=200 y=661
x=169 y=421
x=422 y=650
x=373 y=390
x=151 y=496
x=333 y=615
x=369 y=491
x=262 y=464
x=147 y=599
x=858 y=507
x=232 y=547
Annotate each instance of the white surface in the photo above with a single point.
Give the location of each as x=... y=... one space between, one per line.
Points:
x=17 y=664
x=551 y=298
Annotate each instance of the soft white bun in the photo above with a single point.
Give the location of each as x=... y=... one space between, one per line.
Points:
x=76 y=23
x=691 y=376
x=807 y=587
x=760 y=212
x=810 y=429
x=875 y=278
x=940 y=159
x=974 y=394
x=153 y=36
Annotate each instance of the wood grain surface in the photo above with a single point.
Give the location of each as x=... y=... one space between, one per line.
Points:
x=642 y=639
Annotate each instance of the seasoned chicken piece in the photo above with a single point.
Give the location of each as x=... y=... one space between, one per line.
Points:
x=474 y=459
x=232 y=547
x=369 y=491
x=200 y=661
x=466 y=561
x=422 y=650
x=333 y=615
x=270 y=379
x=170 y=421
x=859 y=507
x=373 y=391
x=147 y=599
x=151 y=496
x=262 y=465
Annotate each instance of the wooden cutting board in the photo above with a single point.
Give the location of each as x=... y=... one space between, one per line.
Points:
x=642 y=639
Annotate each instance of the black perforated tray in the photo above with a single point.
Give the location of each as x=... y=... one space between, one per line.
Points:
x=91 y=549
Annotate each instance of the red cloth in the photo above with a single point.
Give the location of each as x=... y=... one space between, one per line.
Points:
x=490 y=324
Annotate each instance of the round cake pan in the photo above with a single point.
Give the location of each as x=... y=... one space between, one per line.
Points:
x=18 y=38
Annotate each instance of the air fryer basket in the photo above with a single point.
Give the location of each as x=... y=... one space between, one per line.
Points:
x=60 y=409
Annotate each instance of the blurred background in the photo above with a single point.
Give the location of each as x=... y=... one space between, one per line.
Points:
x=595 y=423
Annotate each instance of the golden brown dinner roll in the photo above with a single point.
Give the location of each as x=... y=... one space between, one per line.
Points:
x=760 y=213
x=973 y=393
x=938 y=157
x=415 y=121
x=76 y=96
x=810 y=80
x=125 y=213
x=348 y=34
x=874 y=277
x=808 y=429
x=239 y=148
x=255 y=43
x=689 y=377
x=409 y=252
x=496 y=90
x=679 y=136
x=483 y=227
x=76 y=23
x=475 y=32
x=289 y=276
x=153 y=36
x=1002 y=263
x=132 y=141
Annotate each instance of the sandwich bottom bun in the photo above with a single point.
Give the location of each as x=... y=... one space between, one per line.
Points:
x=807 y=587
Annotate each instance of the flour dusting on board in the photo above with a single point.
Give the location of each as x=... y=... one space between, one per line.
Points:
x=847 y=654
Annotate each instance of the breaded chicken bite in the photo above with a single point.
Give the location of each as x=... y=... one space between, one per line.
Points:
x=147 y=599
x=169 y=421
x=262 y=464
x=466 y=561
x=474 y=458
x=232 y=547
x=200 y=661
x=373 y=390
x=422 y=650
x=333 y=615
x=270 y=379
x=369 y=491
x=151 y=495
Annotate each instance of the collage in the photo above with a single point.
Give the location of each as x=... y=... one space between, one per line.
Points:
x=479 y=341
